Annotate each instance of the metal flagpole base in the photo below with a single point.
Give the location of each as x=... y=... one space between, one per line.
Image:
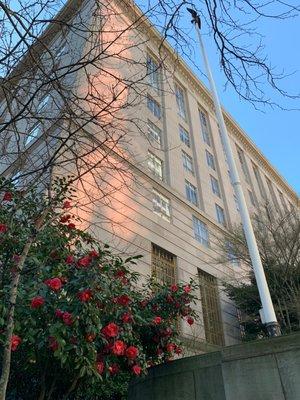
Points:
x=273 y=329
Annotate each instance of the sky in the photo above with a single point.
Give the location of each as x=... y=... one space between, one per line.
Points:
x=275 y=132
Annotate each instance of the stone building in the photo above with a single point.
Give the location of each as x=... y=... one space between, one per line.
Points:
x=178 y=197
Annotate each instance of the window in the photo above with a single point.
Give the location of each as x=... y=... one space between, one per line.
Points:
x=244 y=167
x=187 y=162
x=230 y=177
x=215 y=186
x=220 y=215
x=191 y=193
x=43 y=102
x=155 y=165
x=33 y=134
x=236 y=203
x=283 y=203
x=259 y=181
x=204 y=128
x=184 y=136
x=211 y=308
x=210 y=160
x=200 y=231
x=60 y=50
x=272 y=193
x=223 y=146
x=153 y=73
x=154 y=107
x=154 y=133
x=16 y=179
x=180 y=100
x=251 y=197
x=161 y=206
x=232 y=258
x=163 y=266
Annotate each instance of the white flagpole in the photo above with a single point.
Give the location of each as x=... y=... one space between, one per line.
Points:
x=267 y=306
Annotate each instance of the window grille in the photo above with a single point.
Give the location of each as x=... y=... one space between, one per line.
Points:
x=211 y=308
x=163 y=265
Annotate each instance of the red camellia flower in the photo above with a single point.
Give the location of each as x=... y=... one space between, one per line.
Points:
x=110 y=330
x=65 y=218
x=70 y=259
x=67 y=204
x=37 y=302
x=171 y=347
x=118 y=348
x=93 y=253
x=84 y=262
x=100 y=367
x=85 y=295
x=67 y=318
x=178 y=350
x=187 y=288
x=123 y=300
x=127 y=318
x=90 y=337
x=53 y=343
x=137 y=369
x=7 y=196
x=190 y=320
x=59 y=313
x=114 y=369
x=120 y=274
x=131 y=352
x=71 y=226
x=157 y=320
x=54 y=283
x=15 y=342
x=167 y=332
x=174 y=288
x=3 y=228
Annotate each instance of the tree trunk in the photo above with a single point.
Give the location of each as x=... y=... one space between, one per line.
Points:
x=72 y=387
x=6 y=360
x=43 y=385
x=49 y=396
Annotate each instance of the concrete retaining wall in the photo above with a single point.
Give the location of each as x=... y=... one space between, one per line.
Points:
x=262 y=370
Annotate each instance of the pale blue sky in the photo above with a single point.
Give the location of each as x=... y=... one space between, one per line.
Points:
x=275 y=132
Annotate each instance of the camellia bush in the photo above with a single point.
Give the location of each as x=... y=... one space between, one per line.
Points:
x=82 y=327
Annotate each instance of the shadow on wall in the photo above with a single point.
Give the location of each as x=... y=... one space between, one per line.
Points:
x=262 y=370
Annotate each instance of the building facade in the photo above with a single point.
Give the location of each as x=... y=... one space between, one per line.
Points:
x=178 y=199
